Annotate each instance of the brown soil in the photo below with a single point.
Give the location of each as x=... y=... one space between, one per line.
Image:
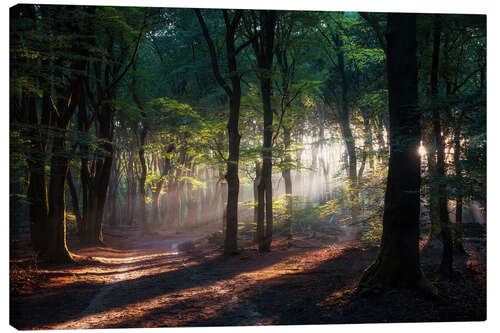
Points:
x=181 y=279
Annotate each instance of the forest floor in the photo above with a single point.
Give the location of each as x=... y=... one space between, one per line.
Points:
x=181 y=279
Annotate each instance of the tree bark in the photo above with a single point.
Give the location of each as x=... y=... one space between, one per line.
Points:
x=264 y=51
x=459 y=228
x=234 y=94
x=35 y=136
x=74 y=201
x=131 y=191
x=142 y=141
x=37 y=189
x=398 y=262
x=57 y=250
x=286 y=173
x=156 y=190
x=99 y=189
x=446 y=266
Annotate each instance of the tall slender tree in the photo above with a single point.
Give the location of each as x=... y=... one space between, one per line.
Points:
x=233 y=91
x=264 y=51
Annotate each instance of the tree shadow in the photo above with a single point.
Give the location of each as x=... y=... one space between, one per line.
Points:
x=67 y=303
x=289 y=299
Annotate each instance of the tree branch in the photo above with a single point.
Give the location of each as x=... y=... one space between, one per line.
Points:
x=213 y=54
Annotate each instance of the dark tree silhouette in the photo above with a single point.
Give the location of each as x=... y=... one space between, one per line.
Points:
x=398 y=262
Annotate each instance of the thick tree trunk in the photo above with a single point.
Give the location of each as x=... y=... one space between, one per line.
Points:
x=38 y=205
x=57 y=250
x=74 y=201
x=36 y=139
x=37 y=189
x=398 y=262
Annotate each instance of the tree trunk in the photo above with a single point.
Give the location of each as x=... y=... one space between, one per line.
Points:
x=379 y=135
x=142 y=141
x=353 y=175
x=38 y=205
x=85 y=172
x=459 y=228
x=233 y=182
x=264 y=51
x=131 y=192
x=398 y=262
x=74 y=200
x=173 y=203
x=446 y=266
x=57 y=250
x=433 y=207
x=286 y=173
x=234 y=94
x=37 y=188
x=256 y=183
x=368 y=144
x=142 y=183
x=155 y=215
x=156 y=191
x=99 y=189
x=114 y=200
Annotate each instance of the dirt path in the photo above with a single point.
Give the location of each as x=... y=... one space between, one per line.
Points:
x=95 y=314
x=167 y=280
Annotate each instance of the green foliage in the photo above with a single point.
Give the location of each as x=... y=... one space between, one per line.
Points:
x=169 y=95
x=367 y=197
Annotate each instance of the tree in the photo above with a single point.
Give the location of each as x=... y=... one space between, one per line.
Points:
x=398 y=261
x=263 y=47
x=447 y=257
x=234 y=94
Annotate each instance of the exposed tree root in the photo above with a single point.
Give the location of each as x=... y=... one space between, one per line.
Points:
x=380 y=277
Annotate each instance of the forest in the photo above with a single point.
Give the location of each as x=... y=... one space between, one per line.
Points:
x=230 y=167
